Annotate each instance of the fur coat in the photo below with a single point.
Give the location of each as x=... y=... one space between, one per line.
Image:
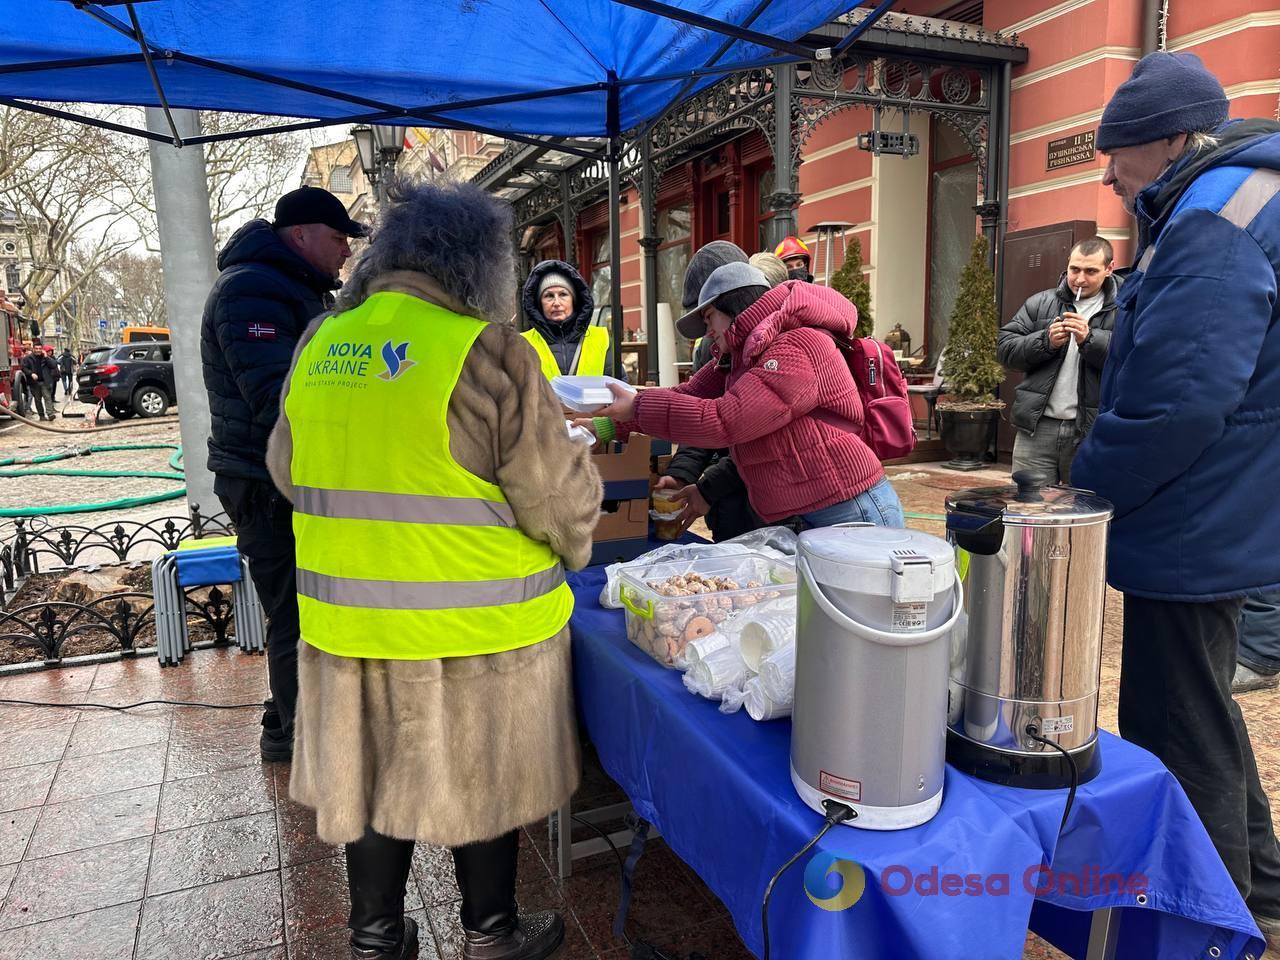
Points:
x=456 y=750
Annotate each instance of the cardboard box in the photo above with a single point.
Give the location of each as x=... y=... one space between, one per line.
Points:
x=625 y=469
x=622 y=532
x=622 y=520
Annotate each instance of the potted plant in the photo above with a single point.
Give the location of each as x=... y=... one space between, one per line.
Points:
x=851 y=283
x=969 y=407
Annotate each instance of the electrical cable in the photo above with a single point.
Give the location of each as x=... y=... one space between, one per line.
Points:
x=622 y=864
x=143 y=703
x=1034 y=734
x=836 y=813
x=651 y=952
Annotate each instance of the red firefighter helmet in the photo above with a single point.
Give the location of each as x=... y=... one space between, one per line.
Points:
x=793 y=247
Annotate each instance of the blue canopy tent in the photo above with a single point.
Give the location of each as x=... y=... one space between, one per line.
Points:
x=520 y=69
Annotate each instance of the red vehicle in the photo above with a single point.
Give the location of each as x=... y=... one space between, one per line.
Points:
x=14 y=345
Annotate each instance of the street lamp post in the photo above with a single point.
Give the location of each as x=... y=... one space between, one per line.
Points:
x=379 y=148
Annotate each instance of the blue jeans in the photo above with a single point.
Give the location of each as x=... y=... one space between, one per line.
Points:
x=878 y=504
x=1259 y=633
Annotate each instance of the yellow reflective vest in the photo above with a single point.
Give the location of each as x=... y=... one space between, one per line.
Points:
x=593 y=350
x=403 y=554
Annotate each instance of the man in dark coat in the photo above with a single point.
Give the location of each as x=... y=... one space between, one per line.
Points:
x=1060 y=338
x=275 y=277
x=1187 y=439
x=66 y=367
x=41 y=373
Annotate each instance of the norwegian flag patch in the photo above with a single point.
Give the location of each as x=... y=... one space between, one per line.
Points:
x=262 y=331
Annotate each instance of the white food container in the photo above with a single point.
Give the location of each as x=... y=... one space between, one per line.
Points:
x=587 y=394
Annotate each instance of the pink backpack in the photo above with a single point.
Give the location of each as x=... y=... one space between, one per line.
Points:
x=886 y=409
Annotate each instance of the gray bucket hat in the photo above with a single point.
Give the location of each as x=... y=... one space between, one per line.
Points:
x=730 y=276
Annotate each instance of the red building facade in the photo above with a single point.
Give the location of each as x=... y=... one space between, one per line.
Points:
x=915 y=217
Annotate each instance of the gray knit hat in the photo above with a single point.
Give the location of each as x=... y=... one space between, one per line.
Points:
x=1167 y=94
x=704 y=263
x=553 y=279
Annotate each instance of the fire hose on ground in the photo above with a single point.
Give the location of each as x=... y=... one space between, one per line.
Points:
x=7 y=411
x=35 y=466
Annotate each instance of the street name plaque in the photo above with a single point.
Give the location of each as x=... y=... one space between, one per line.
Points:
x=1068 y=151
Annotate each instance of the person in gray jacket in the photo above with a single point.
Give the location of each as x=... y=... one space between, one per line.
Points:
x=1059 y=339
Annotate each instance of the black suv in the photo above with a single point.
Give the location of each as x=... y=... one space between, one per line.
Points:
x=138 y=378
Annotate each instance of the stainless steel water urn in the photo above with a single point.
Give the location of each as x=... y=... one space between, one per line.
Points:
x=874 y=612
x=1027 y=654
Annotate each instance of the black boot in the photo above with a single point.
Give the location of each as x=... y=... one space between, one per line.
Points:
x=377 y=871
x=493 y=928
x=275 y=745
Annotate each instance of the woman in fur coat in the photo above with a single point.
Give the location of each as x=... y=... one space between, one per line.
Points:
x=455 y=750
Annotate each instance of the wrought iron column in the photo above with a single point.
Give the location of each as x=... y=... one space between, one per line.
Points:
x=784 y=198
x=520 y=269
x=568 y=221
x=649 y=243
x=1002 y=135
x=989 y=209
x=615 y=225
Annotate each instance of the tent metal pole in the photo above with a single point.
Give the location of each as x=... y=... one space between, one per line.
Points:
x=107 y=19
x=155 y=77
x=38 y=65
x=77 y=118
x=712 y=25
x=615 y=223
x=761 y=7
x=373 y=117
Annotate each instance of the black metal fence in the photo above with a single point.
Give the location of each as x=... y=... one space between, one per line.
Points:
x=39 y=546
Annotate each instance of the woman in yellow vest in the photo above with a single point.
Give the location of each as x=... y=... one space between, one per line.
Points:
x=559 y=305
x=417 y=441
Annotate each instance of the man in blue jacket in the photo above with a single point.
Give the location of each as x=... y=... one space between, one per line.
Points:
x=1187 y=439
x=274 y=278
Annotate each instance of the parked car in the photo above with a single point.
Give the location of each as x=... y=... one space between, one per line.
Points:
x=138 y=378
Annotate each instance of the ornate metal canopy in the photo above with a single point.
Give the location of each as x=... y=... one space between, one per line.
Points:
x=913 y=64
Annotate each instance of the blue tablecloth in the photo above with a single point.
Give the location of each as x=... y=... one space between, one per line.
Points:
x=719 y=789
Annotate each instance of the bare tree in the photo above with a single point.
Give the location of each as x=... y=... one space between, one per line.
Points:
x=139 y=287
x=246 y=176
x=66 y=186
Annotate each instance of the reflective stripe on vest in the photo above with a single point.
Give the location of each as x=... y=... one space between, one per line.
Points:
x=394 y=595
x=1241 y=208
x=593 y=351
x=402 y=507
x=403 y=554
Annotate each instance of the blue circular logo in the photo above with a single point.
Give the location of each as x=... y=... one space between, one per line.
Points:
x=832 y=883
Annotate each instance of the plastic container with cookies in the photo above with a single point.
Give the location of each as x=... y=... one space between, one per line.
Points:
x=669 y=605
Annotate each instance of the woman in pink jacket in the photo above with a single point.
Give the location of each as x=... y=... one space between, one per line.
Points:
x=785 y=403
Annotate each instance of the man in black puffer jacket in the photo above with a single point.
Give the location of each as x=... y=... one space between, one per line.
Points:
x=275 y=278
x=1060 y=338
